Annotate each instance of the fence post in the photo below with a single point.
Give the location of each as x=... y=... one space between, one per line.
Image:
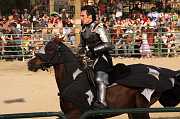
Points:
x=77 y=21
x=22 y=43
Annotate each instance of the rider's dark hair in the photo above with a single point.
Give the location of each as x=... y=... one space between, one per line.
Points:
x=90 y=10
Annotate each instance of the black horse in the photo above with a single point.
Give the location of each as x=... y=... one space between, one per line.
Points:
x=127 y=89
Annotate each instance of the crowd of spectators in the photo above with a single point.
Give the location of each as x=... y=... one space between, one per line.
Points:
x=140 y=34
x=22 y=34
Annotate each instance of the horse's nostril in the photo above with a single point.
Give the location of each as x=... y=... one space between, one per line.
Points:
x=30 y=68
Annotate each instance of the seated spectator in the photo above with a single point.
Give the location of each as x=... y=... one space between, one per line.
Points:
x=117 y=39
x=128 y=45
x=171 y=47
x=154 y=15
x=137 y=44
x=64 y=16
x=117 y=35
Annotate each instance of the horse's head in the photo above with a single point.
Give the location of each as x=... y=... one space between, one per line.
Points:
x=37 y=62
x=52 y=54
x=45 y=57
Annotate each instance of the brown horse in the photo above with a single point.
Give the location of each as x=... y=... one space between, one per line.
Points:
x=71 y=75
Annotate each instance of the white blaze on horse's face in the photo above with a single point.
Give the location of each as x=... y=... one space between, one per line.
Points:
x=33 y=57
x=41 y=50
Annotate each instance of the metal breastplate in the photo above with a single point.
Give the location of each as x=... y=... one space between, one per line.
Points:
x=91 y=38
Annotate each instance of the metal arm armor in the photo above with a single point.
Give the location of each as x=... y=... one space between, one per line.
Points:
x=103 y=47
x=102 y=33
x=106 y=42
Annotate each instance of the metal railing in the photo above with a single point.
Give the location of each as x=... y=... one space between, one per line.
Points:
x=60 y=115
x=90 y=113
x=23 y=47
x=106 y=112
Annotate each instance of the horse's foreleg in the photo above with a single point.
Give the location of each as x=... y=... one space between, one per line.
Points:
x=141 y=102
x=73 y=114
x=70 y=110
x=138 y=116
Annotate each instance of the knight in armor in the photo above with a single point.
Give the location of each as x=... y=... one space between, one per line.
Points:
x=96 y=44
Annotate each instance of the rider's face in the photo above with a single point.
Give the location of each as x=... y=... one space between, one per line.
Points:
x=85 y=19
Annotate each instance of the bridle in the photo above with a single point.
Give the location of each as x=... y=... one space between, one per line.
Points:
x=57 y=58
x=47 y=63
x=45 y=66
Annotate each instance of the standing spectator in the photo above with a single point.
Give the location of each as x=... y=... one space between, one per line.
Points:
x=2 y=39
x=145 y=48
x=102 y=8
x=44 y=20
x=64 y=16
x=150 y=31
x=117 y=35
x=15 y=14
x=25 y=14
x=119 y=9
x=137 y=10
x=16 y=33
x=56 y=24
x=137 y=43
x=13 y=41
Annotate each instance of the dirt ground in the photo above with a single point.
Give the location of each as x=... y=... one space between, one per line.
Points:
x=24 y=91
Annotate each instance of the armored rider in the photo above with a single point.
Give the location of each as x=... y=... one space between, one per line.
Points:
x=96 y=44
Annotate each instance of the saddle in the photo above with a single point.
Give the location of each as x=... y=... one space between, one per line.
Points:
x=119 y=70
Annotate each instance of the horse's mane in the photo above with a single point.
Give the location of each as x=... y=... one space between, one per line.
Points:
x=68 y=54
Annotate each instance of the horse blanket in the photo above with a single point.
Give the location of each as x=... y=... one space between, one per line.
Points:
x=136 y=76
x=144 y=76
